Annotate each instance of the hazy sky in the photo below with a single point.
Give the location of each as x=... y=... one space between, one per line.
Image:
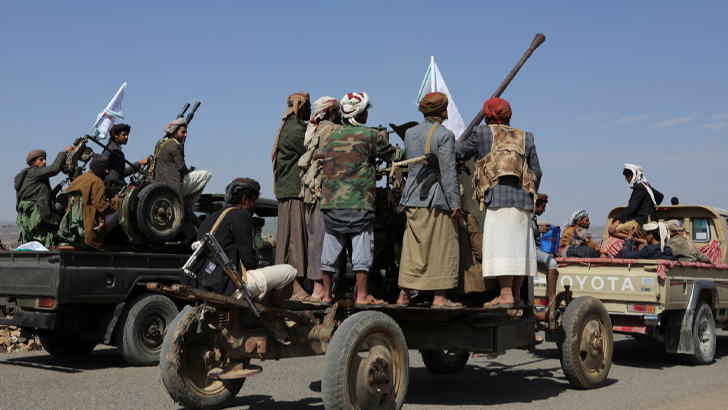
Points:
x=615 y=82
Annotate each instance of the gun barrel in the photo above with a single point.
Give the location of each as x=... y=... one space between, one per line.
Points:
x=184 y=110
x=191 y=115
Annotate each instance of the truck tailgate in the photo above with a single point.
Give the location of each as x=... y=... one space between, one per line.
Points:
x=29 y=273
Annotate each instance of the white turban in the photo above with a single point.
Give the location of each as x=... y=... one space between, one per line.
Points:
x=664 y=232
x=577 y=215
x=320 y=108
x=638 y=177
x=354 y=104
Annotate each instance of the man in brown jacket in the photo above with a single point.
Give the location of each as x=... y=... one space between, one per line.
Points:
x=169 y=165
x=100 y=215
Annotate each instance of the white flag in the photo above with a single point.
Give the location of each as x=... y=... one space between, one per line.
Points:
x=107 y=117
x=434 y=82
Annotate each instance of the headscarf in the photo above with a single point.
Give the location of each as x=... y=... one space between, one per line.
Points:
x=320 y=108
x=581 y=236
x=575 y=217
x=638 y=177
x=433 y=106
x=295 y=102
x=240 y=184
x=173 y=126
x=674 y=226
x=497 y=111
x=354 y=104
x=99 y=165
x=33 y=155
x=664 y=232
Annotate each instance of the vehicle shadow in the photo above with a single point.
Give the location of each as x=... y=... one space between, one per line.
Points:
x=652 y=355
x=505 y=385
x=262 y=402
x=96 y=360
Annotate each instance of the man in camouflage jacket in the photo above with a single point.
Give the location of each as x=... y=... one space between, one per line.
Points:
x=348 y=194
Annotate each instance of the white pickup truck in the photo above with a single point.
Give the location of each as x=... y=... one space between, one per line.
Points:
x=678 y=303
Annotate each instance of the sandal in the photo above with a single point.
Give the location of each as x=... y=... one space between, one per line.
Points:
x=302 y=297
x=494 y=304
x=325 y=303
x=316 y=301
x=372 y=303
x=448 y=304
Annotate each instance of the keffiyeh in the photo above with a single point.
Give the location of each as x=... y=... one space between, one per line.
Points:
x=664 y=232
x=497 y=111
x=172 y=127
x=638 y=177
x=354 y=104
x=320 y=108
x=674 y=226
x=576 y=216
x=237 y=185
x=295 y=102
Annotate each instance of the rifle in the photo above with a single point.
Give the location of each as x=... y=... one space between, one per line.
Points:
x=537 y=41
x=184 y=110
x=212 y=249
x=191 y=115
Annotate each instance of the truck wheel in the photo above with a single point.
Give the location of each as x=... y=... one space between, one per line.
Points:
x=184 y=370
x=64 y=345
x=141 y=328
x=586 y=355
x=703 y=335
x=442 y=361
x=367 y=364
x=159 y=212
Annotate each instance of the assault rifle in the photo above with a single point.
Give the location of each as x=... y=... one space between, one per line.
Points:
x=191 y=115
x=184 y=110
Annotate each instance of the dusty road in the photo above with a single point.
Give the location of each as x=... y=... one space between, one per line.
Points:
x=643 y=376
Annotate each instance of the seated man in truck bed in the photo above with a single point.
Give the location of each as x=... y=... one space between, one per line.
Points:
x=641 y=207
x=579 y=219
x=656 y=234
x=233 y=228
x=682 y=246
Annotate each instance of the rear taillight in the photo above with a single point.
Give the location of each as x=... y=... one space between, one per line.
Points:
x=45 y=302
x=641 y=308
x=540 y=301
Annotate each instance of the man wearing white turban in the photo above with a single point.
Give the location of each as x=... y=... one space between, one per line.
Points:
x=579 y=219
x=657 y=235
x=642 y=204
x=326 y=119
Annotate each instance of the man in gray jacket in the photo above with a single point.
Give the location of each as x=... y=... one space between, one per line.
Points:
x=509 y=250
x=430 y=251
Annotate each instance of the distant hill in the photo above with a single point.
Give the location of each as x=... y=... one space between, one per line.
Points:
x=9 y=233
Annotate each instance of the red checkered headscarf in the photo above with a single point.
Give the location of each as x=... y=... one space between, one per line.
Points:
x=497 y=111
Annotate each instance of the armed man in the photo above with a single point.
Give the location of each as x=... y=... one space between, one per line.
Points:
x=430 y=250
x=508 y=175
x=34 y=198
x=348 y=195
x=118 y=170
x=326 y=119
x=287 y=150
x=169 y=166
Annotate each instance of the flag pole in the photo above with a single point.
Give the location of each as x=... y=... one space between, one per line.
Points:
x=434 y=77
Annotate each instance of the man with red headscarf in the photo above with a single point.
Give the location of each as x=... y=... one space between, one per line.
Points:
x=291 y=240
x=506 y=179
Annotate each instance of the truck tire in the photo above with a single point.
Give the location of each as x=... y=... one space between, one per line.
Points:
x=443 y=362
x=367 y=364
x=704 y=338
x=141 y=328
x=184 y=372
x=586 y=353
x=159 y=212
x=64 y=345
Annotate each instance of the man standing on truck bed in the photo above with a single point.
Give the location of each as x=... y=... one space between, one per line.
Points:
x=34 y=198
x=168 y=166
x=287 y=150
x=430 y=250
x=348 y=195
x=326 y=119
x=642 y=204
x=510 y=176
x=118 y=136
x=235 y=234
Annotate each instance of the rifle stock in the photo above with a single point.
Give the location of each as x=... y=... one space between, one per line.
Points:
x=537 y=41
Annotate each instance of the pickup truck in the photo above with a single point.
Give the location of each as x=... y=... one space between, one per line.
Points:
x=678 y=303
x=77 y=299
